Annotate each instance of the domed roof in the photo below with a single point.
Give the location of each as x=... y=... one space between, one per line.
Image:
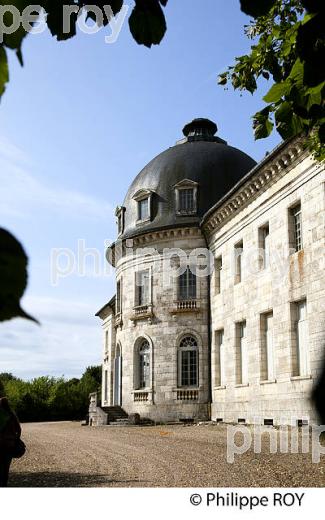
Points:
x=206 y=161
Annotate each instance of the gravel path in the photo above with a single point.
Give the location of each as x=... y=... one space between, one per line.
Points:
x=68 y=455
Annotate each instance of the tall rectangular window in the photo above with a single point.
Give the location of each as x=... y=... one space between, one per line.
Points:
x=267 y=347
x=295 y=228
x=186 y=200
x=189 y=368
x=118 y=297
x=105 y=385
x=143 y=288
x=300 y=346
x=241 y=354
x=218 y=274
x=219 y=358
x=264 y=246
x=187 y=285
x=106 y=342
x=188 y=362
x=143 y=209
x=238 y=260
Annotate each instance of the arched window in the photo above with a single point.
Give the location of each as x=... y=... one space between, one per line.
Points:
x=144 y=364
x=188 y=362
x=187 y=285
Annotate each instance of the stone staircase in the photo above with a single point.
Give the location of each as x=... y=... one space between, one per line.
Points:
x=116 y=416
x=103 y=415
x=111 y=415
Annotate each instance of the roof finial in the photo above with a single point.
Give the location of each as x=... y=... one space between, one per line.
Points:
x=200 y=128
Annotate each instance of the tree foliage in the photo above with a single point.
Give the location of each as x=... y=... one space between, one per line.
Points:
x=289 y=49
x=50 y=399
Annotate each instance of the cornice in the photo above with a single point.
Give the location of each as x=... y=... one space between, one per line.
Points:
x=166 y=234
x=259 y=180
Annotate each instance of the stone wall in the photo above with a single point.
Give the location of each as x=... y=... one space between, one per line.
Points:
x=163 y=325
x=288 y=279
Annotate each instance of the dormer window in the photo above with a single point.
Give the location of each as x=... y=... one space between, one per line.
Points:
x=119 y=213
x=143 y=209
x=143 y=198
x=186 y=197
x=186 y=200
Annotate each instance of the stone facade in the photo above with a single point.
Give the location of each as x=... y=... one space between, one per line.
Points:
x=274 y=289
x=248 y=312
x=163 y=324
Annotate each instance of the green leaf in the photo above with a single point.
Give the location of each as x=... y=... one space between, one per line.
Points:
x=297 y=72
x=222 y=79
x=289 y=125
x=276 y=92
x=283 y=112
x=147 y=22
x=263 y=130
x=4 y=70
x=13 y=277
x=262 y=124
x=256 y=8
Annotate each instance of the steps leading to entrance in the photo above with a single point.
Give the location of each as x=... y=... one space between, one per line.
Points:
x=115 y=415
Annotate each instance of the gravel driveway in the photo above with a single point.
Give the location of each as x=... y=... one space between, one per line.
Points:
x=68 y=455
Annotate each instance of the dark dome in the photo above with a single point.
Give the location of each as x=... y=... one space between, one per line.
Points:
x=200 y=157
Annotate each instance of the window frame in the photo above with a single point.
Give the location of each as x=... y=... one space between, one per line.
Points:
x=267 y=350
x=118 y=300
x=139 y=197
x=143 y=215
x=220 y=365
x=218 y=266
x=238 y=261
x=296 y=242
x=242 y=374
x=184 y=357
x=144 y=364
x=264 y=245
x=138 y=288
x=300 y=355
x=187 y=275
x=184 y=185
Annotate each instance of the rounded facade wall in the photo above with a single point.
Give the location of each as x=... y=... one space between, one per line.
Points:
x=161 y=326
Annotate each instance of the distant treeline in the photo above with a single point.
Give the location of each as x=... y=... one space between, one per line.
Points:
x=49 y=398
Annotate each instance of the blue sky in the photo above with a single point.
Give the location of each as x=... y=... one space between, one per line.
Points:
x=77 y=123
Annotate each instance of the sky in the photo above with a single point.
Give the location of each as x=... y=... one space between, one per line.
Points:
x=77 y=124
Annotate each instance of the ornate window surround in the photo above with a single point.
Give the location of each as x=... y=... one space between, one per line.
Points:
x=186 y=184
x=139 y=196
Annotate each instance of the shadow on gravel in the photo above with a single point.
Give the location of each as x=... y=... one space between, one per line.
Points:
x=49 y=479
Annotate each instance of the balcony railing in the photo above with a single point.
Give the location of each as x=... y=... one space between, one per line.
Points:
x=192 y=305
x=141 y=397
x=142 y=311
x=187 y=395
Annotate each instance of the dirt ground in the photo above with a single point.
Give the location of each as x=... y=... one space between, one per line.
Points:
x=68 y=455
